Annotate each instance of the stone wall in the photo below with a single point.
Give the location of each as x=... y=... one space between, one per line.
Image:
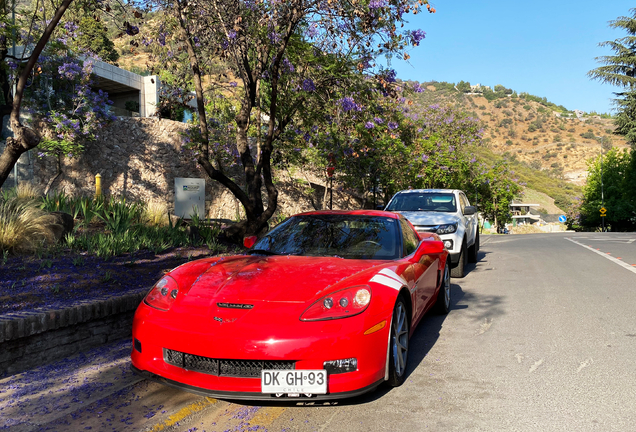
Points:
x=139 y=158
x=30 y=339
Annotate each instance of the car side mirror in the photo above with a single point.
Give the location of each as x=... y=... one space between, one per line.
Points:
x=428 y=246
x=469 y=210
x=248 y=242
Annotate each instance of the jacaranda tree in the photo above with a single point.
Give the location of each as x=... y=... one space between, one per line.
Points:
x=285 y=55
x=39 y=29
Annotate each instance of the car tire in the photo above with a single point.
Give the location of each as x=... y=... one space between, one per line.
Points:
x=443 y=302
x=399 y=343
x=473 y=251
x=458 y=270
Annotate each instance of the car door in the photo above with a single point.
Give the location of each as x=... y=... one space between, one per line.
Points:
x=471 y=220
x=423 y=272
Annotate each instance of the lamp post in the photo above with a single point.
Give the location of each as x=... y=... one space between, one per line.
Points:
x=602 y=194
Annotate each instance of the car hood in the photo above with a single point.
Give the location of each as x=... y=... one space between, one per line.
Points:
x=430 y=218
x=255 y=278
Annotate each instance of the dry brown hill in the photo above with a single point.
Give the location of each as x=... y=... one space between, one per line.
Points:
x=544 y=138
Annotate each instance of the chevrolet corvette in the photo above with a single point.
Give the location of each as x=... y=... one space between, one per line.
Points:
x=320 y=307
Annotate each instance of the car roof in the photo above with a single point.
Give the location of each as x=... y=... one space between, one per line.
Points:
x=352 y=213
x=428 y=191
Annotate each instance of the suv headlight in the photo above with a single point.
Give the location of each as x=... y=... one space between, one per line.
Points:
x=446 y=229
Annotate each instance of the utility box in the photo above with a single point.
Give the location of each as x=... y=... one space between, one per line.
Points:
x=189 y=197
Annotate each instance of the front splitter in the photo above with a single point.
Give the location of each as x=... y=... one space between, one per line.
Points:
x=251 y=395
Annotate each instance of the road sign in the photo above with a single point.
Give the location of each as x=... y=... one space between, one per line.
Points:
x=603 y=210
x=562 y=218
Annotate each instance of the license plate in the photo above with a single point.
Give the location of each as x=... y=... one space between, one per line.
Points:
x=294 y=381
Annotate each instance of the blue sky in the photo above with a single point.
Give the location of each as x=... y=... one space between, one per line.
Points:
x=542 y=48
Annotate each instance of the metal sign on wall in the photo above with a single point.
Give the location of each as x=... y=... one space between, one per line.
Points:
x=189 y=197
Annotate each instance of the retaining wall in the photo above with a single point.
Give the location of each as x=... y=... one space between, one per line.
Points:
x=31 y=339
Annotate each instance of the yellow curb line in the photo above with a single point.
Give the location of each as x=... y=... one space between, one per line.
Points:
x=183 y=413
x=265 y=417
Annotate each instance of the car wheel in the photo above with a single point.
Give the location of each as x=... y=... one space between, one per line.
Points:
x=399 y=349
x=443 y=302
x=458 y=271
x=473 y=251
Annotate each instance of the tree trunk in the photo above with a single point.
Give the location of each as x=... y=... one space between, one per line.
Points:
x=24 y=138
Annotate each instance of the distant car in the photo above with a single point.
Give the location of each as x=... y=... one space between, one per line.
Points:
x=322 y=307
x=446 y=212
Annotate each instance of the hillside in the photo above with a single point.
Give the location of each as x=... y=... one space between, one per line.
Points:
x=536 y=133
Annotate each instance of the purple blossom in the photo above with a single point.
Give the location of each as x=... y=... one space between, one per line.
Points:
x=425 y=158
x=416 y=36
x=312 y=31
x=390 y=75
x=392 y=125
x=308 y=85
x=369 y=125
x=70 y=26
x=287 y=66
x=376 y=4
x=233 y=84
x=231 y=35
x=349 y=104
x=69 y=70
x=378 y=120
x=274 y=37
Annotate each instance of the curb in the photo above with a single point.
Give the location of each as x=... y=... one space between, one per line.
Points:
x=33 y=338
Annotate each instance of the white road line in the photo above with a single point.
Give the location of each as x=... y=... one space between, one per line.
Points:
x=604 y=255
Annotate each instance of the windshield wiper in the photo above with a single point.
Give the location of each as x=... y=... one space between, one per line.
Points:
x=261 y=252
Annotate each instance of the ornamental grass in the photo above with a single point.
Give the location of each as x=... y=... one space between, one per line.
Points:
x=24 y=227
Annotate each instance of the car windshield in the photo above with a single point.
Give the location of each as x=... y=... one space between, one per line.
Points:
x=424 y=201
x=344 y=236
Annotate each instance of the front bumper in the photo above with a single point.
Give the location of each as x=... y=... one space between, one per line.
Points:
x=454 y=260
x=309 y=344
x=231 y=395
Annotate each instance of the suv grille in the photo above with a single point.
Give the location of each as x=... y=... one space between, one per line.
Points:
x=426 y=228
x=224 y=367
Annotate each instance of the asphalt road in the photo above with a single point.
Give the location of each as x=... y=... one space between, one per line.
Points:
x=541 y=337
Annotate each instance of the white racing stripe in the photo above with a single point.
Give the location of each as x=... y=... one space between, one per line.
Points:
x=390 y=273
x=604 y=255
x=387 y=281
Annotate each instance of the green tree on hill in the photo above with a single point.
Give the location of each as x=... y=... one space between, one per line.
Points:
x=463 y=87
x=614 y=187
x=93 y=37
x=620 y=70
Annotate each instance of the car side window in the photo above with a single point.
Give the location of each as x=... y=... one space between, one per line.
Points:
x=463 y=201
x=410 y=239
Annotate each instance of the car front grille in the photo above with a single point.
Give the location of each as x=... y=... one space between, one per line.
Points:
x=224 y=367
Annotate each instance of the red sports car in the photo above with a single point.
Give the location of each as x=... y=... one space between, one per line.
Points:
x=321 y=307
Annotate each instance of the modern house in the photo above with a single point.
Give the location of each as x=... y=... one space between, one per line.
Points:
x=521 y=213
x=126 y=89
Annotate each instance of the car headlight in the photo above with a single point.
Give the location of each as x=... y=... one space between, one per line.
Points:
x=447 y=228
x=163 y=294
x=340 y=304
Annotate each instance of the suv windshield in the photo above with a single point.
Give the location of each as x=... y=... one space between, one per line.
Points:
x=345 y=236
x=423 y=201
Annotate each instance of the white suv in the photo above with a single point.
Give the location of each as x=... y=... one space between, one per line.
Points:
x=446 y=212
